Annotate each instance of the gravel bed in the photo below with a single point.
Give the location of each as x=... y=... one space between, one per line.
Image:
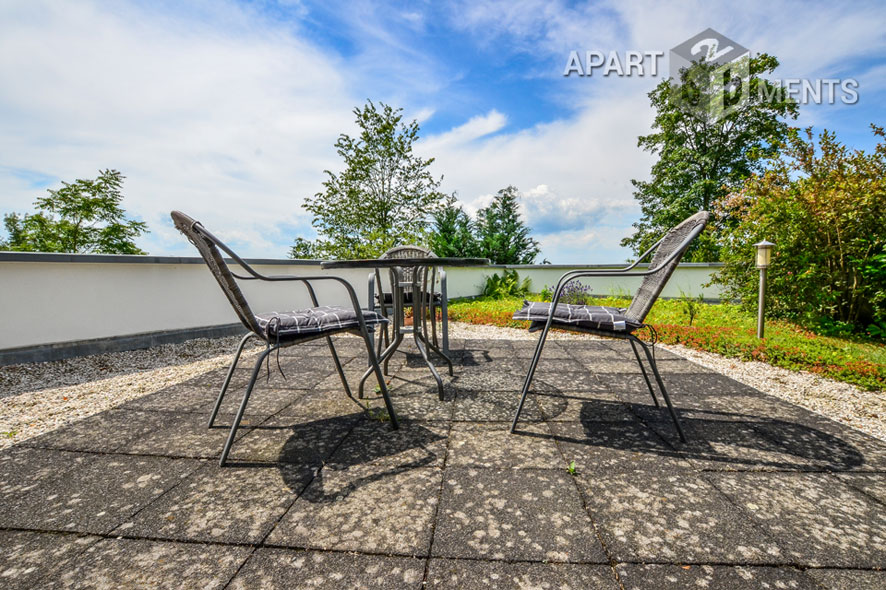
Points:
x=845 y=403
x=39 y=397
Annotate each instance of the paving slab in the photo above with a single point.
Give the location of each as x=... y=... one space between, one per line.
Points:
x=29 y=556
x=263 y=401
x=673 y=518
x=849 y=579
x=122 y=563
x=414 y=444
x=287 y=569
x=97 y=495
x=105 y=432
x=616 y=446
x=187 y=435
x=679 y=384
x=565 y=379
x=460 y=574
x=322 y=405
x=817 y=519
x=486 y=381
x=492 y=445
x=579 y=406
x=494 y=406
x=526 y=514
x=413 y=402
x=183 y=397
x=224 y=504
x=295 y=440
x=24 y=469
x=872 y=484
x=367 y=508
x=675 y=577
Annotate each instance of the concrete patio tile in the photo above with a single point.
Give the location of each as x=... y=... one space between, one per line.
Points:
x=225 y=504
x=494 y=406
x=323 y=405
x=831 y=443
x=23 y=469
x=672 y=365
x=567 y=379
x=269 y=569
x=486 y=381
x=420 y=403
x=578 y=406
x=732 y=446
x=747 y=407
x=477 y=354
x=414 y=444
x=263 y=401
x=294 y=378
x=105 y=432
x=817 y=519
x=849 y=579
x=460 y=574
x=186 y=435
x=293 y=439
x=675 y=518
x=603 y=351
x=678 y=384
x=366 y=508
x=872 y=484
x=29 y=556
x=177 y=398
x=97 y=495
x=123 y=563
x=492 y=445
x=675 y=577
x=514 y=514
x=616 y=446
x=552 y=349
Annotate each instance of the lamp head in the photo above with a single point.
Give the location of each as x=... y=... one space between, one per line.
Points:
x=764 y=253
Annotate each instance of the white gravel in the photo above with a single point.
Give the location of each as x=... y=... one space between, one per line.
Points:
x=40 y=397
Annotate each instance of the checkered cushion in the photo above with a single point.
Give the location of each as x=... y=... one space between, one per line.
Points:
x=594 y=317
x=290 y=324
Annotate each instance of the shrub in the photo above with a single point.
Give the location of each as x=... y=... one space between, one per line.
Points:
x=575 y=293
x=825 y=209
x=506 y=285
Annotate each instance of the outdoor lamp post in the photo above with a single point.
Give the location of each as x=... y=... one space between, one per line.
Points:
x=764 y=253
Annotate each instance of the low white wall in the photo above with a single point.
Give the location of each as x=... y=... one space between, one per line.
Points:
x=48 y=299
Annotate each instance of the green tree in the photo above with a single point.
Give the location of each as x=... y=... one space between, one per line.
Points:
x=502 y=235
x=385 y=196
x=824 y=207
x=701 y=159
x=453 y=233
x=84 y=216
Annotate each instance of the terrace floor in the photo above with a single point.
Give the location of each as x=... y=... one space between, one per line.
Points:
x=322 y=494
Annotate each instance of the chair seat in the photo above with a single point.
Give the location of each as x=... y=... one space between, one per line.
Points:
x=283 y=325
x=592 y=317
x=389 y=298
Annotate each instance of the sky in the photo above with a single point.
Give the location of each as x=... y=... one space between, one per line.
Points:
x=229 y=110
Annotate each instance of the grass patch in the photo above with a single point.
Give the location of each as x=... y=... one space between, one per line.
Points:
x=725 y=329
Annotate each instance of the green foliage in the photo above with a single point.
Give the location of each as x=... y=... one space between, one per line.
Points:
x=385 y=196
x=825 y=208
x=571 y=468
x=503 y=236
x=691 y=305
x=506 y=285
x=700 y=160
x=84 y=216
x=729 y=330
x=453 y=233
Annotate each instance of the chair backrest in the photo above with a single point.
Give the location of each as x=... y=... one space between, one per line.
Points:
x=208 y=246
x=409 y=251
x=676 y=240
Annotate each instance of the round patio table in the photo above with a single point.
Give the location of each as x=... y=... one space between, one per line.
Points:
x=421 y=299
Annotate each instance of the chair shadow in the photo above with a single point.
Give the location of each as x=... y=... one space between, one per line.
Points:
x=723 y=437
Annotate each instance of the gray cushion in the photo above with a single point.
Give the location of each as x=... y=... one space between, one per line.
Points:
x=302 y=322
x=594 y=317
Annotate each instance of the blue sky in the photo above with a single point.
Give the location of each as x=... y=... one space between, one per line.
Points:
x=229 y=110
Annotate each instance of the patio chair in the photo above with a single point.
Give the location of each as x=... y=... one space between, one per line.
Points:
x=281 y=329
x=384 y=300
x=614 y=322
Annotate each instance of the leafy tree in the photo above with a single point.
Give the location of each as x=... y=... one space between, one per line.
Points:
x=84 y=217
x=453 y=233
x=824 y=207
x=502 y=235
x=701 y=159
x=385 y=196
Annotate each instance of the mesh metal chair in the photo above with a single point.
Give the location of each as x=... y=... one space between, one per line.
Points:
x=281 y=329
x=610 y=321
x=384 y=300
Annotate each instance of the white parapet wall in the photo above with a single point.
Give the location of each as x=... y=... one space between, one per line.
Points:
x=61 y=298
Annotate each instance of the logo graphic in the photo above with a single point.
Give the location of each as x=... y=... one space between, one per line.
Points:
x=712 y=74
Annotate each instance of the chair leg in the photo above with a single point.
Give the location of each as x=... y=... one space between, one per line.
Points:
x=444 y=324
x=432 y=308
x=645 y=376
x=341 y=372
x=242 y=409
x=370 y=349
x=224 y=389
x=661 y=387
x=530 y=374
